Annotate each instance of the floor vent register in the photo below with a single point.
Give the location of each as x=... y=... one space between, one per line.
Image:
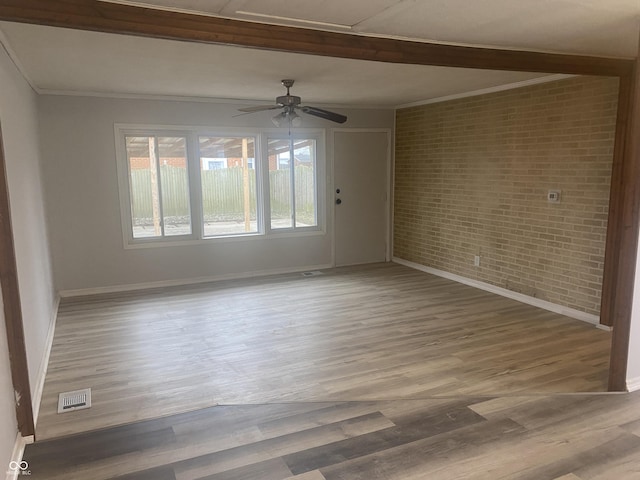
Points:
x=76 y=400
x=311 y=274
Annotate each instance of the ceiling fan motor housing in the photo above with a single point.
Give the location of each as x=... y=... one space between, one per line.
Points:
x=288 y=100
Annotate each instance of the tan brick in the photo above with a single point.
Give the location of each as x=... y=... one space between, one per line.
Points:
x=471 y=177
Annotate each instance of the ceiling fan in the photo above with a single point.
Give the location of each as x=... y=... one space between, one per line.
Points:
x=289 y=104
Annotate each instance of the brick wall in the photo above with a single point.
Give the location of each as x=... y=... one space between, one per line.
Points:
x=472 y=175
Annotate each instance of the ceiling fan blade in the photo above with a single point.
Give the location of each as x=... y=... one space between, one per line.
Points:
x=259 y=108
x=241 y=114
x=326 y=114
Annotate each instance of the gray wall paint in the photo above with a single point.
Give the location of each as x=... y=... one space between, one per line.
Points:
x=18 y=114
x=7 y=407
x=83 y=203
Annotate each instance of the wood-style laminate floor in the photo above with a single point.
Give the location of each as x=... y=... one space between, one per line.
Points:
x=550 y=437
x=373 y=333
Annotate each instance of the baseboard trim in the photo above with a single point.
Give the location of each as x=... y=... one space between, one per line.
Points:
x=536 y=302
x=633 y=384
x=187 y=281
x=17 y=454
x=44 y=364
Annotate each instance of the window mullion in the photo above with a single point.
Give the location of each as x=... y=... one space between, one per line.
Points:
x=262 y=186
x=292 y=179
x=195 y=191
x=316 y=198
x=159 y=182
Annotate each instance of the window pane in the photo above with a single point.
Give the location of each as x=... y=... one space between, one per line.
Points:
x=145 y=195
x=280 y=184
x=305 y=170
x=174 y=183
x=229 y=200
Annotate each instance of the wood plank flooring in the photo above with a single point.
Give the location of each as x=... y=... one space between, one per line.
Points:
x=373 y=333
x=547 y=437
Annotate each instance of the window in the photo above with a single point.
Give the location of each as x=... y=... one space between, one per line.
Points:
x=214 y=163
x=292 y=191
x=191 y=185
x=159 y=186
x=229 y=196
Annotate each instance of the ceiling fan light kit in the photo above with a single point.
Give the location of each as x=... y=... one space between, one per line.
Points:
x=285 y=118
x=289 y=104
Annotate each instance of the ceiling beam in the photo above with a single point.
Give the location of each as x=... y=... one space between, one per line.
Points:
x=95 y=15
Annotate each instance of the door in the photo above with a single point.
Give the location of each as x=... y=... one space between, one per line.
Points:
x=361 y=173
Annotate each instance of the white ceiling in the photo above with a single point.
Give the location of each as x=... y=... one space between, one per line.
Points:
x=593 y=27
x=78 y=62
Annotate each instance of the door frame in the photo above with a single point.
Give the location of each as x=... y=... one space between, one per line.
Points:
x=388 y=192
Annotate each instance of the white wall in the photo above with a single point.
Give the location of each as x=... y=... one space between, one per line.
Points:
x=83 y=205
x=18 y=114
x=633 y=364
x=8 y=421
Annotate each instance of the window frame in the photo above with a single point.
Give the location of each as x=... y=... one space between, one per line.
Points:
x=124 y=184
x=319 y=176
x=258 y=172
x=263 y=211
